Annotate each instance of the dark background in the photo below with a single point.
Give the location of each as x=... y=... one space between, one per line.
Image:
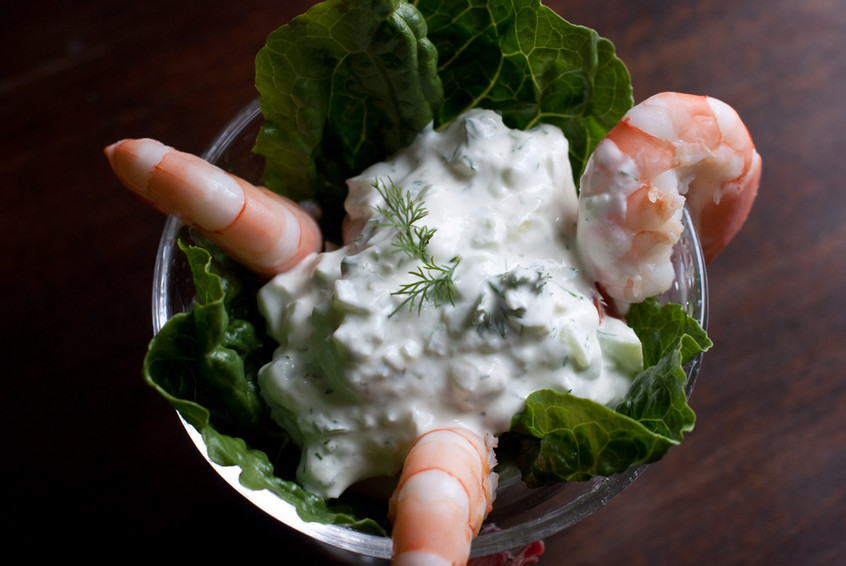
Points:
x=96 y=465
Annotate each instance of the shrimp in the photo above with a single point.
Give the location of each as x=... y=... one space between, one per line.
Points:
x=669 y=150
x=263 y=231
x=445 y=491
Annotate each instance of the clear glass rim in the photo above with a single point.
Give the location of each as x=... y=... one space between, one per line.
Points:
x=602 y=490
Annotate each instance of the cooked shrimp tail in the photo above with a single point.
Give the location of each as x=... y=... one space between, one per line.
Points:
x=444 y=493
x=669 y=150
x=261 y=230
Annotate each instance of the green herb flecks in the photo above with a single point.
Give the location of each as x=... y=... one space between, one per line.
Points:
x=496 y=310
x=434 y=282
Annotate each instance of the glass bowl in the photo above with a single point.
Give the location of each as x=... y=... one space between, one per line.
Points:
x=523 y=515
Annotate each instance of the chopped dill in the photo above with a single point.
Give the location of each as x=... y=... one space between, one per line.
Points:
x=494 y=311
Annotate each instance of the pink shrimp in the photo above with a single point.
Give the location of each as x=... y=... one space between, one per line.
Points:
x=261 y=230
x=670 y=149
x=444 y=493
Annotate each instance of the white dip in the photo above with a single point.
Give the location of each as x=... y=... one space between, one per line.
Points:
x=358 y=377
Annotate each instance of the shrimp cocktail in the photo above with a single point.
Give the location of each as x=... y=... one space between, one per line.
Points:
x=448 y=278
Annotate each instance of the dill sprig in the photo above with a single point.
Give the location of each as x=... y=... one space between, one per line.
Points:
x=400 y=212
x=434 y=282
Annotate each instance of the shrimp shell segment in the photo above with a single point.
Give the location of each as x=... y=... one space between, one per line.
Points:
x=261 y=230
x=445 y=491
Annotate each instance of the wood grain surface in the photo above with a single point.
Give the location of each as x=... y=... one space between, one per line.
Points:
x=95 y=464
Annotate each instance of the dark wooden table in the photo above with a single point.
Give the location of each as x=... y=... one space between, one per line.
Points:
x=95 y=464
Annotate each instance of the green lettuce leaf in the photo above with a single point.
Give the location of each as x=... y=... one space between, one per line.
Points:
x=523 y=60
x=664 y=328
x=341 y=87
x=205 y=363
x=560 y=437
x=258 y=473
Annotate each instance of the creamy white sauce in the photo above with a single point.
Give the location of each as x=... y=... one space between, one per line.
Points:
x=357 y=377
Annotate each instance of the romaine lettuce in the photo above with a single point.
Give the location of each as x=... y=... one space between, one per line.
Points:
x=342 y=86
x=205 y=361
